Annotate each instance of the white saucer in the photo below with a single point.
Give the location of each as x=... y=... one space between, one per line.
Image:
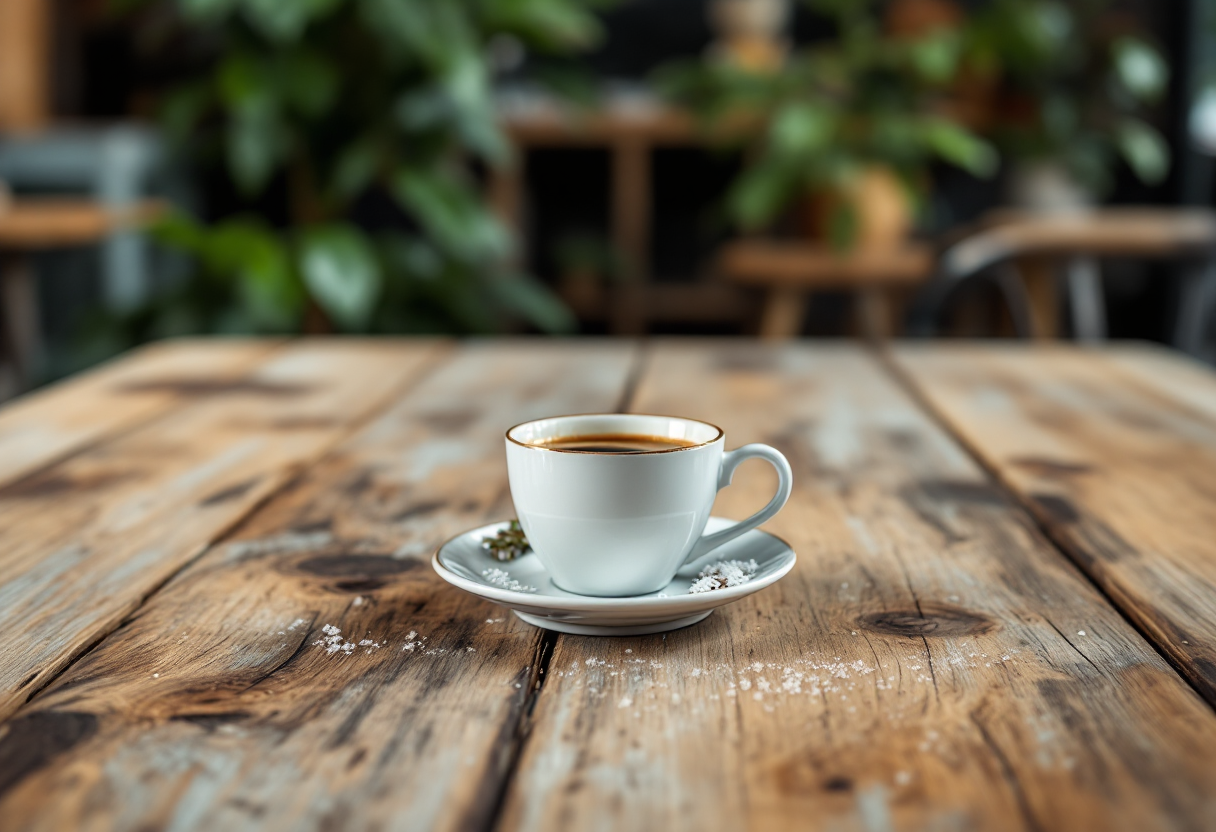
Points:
x=462 y=560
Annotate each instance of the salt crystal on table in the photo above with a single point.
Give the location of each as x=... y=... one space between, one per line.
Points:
x=1080 y=632
x=358 y=601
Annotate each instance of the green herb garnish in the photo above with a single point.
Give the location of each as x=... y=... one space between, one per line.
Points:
x=508 y=543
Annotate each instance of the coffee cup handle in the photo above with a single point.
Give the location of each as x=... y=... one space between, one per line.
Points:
x=704 y=548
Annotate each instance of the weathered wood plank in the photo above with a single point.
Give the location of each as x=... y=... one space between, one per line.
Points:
x=1115 y=454
x=215 y=707
x=931 y=662
x=85 y=541
x=46 y=426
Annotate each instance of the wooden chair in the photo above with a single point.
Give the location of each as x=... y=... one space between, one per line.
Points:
x=1028 y=254
x=28 y=225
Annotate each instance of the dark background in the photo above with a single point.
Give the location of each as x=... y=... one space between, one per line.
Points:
x=107 y=67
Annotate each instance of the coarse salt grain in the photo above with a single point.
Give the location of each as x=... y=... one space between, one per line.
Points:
x=503 y=580
x=724 y=574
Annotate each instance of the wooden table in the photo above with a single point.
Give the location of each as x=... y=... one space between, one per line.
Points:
x=789 y=272
x=1003 y=614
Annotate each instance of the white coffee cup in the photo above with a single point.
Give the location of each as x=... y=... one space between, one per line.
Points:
x=615 y=524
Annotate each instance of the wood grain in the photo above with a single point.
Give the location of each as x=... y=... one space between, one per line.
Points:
x=1115 y=453
x=46 y=426
x=86 y=540
x=216 y=708
x=931 y=662
x=25 y=64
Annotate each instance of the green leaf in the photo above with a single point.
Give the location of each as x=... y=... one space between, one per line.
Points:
x=183 y=109
x=256 y=144
x=533 y=302
x=1140 y=68
x=451 y=212
x=270 y=297
x=307 y=81
x=759 y=194
x=1144 y=149
x=341 y=272
x=250 y=259
x=438 y=34
x=549 y=24
x=256 y=139
x=467 y=82
x=414 y=258
x=957 y=145
x=179 y=231
x=936 y=56
x=800 y=129
x=285 y=20
x=206 y=11
x=355 y=168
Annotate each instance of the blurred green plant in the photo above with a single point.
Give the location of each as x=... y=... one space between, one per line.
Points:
x=860 y=98
x=321 y=103
x=1077 y=82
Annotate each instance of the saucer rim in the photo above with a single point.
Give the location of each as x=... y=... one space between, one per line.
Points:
x=580 y=603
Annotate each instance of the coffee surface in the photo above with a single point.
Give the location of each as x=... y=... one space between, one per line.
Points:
x=615 y=443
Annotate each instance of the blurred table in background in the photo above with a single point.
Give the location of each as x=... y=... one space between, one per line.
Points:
x=790 y=272
x=1002 y=617
x=630 y=123
x=28 y=225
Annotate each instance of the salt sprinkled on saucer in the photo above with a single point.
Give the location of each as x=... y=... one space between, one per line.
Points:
x=503 y=580
x=724 y=574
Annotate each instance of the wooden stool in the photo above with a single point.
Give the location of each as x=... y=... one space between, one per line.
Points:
x=789 y=271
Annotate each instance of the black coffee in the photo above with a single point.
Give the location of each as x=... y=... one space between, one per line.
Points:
x=615 y=443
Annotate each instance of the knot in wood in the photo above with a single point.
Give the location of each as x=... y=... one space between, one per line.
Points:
x=931 y=619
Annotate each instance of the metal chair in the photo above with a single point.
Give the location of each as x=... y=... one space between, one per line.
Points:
x=1071 y=244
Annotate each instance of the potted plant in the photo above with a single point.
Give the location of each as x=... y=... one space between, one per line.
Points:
x=844 y=134
x=1077 y=81
x=352 y=130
